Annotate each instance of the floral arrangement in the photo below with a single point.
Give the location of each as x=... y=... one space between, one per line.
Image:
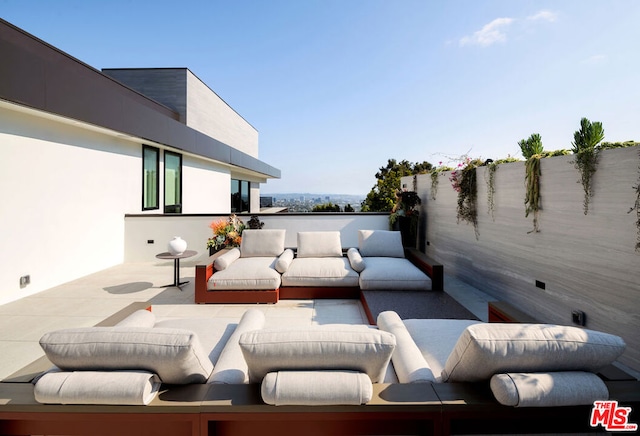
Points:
x=226 y=233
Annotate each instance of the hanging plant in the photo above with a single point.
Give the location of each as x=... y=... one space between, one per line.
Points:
x=434 y=178
x=532 y=150
x=491 y=189
x=586 y=151
x=464 y=182
x=636 y=207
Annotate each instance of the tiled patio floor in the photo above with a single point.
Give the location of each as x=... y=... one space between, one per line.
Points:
x=86 y=301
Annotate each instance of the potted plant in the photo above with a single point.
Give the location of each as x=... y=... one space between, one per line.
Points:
x=405 y=216
x=227 y=233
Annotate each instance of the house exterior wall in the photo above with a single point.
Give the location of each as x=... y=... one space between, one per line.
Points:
x=66 y=190
x=587 y=262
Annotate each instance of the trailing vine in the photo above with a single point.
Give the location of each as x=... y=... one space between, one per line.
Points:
x=636 y=207
x=434 y=184
x=491 y=188
x=464 y=182
x=586 y=151
x=532 y=150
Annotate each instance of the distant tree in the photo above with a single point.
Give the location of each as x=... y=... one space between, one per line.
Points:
x=326 y=207
x=349 y=208
x=382 y=196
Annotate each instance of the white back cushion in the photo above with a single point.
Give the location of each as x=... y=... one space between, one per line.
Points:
x=380 y=243
x=319 y=244
x=486 y=349
x=262 y=242
x=174 y=354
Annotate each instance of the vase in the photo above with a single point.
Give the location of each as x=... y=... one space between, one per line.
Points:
x=177 y=246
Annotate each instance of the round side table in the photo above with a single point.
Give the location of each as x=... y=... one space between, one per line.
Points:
x=176 y=266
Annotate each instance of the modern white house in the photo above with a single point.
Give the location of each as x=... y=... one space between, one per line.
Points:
x=82 y=148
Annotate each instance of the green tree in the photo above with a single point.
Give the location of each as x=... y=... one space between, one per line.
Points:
x=349 y=208
x=382 y=196
x=326 y=207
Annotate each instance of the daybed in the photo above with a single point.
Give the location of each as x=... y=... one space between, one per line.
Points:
x=318 y=268
x=453 y=376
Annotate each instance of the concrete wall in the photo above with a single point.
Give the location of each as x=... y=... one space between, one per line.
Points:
x=139 y=229
x=587 y=262
x=66 y=189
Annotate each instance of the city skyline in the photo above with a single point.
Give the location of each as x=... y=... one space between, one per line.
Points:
x=337 y=88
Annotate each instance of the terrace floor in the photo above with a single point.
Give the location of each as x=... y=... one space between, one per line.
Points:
x=87 y=301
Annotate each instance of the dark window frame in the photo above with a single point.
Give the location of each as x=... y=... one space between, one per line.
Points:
x=173 y=208
x=240 y=195
x=156 y=150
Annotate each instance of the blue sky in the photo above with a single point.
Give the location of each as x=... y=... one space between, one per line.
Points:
x=337 y=87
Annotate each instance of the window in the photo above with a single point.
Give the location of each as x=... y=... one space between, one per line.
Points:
x=150 y=178
x=240 y=198
x=172 y=182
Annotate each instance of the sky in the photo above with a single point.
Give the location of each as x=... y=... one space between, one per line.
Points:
x=336 y=88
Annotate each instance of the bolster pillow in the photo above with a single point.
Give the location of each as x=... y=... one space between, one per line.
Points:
x=231 y=368
x=552 y=389
x=408 y=361
x=223 y=261
x=486 y=349
x=176 y=355
x=316 y=388
x=284 y=261
x=342 y=347
x=355 y=259
x=97 y=387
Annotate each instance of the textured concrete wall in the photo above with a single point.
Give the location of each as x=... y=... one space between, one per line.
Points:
x=587 y=262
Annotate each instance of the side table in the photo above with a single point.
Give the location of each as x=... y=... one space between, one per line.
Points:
x=176 y=265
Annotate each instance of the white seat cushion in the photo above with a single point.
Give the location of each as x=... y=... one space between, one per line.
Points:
x=486 y=349
x=257 y=273
x=392 y=273
x=320 y=271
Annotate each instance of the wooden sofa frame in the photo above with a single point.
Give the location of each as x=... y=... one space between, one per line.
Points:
x=203 y=410
x=204 y=272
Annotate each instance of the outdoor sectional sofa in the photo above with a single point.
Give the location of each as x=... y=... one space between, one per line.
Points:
x=262 y=270
x=209 y=376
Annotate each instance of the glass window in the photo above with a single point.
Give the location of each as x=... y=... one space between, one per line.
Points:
x=172 y=182
x=239 y=196
x=150 y=178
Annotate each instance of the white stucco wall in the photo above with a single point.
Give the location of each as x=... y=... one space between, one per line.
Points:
x=206 y=187
x=211 y=115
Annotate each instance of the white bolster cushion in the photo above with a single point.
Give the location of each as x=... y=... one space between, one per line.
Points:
x=357 y=263
x=486 y=349
x=345 y=347
x=262 y=242
x=319 y=244
x=97 y=387
x=380 y=243
x=223 y=261
x=139 y=318
x=176 y=355
x=316 y=388
x=552 y=389
x=231 y=368
x=408 y=361
x=283 y=262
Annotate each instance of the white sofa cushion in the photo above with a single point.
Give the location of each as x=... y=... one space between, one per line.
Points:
x=355 y=259
x=262 y=242
x=174 y=354
x=436 y=338
x=316 y=388
x=410 y=365
x=227 y=258
x=551 y=389
x=247 y=273
x=319 y=244
x=97 y=387
x=486 y=349
x=392 y=273
x=284 y=261
x=320 y=271
x=139 y=318
x=343 y=347
x=380 y=243
x=231 y=368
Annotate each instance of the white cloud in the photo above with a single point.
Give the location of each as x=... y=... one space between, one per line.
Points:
x=595 y=59
x=490 y=34
x=544 y=15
